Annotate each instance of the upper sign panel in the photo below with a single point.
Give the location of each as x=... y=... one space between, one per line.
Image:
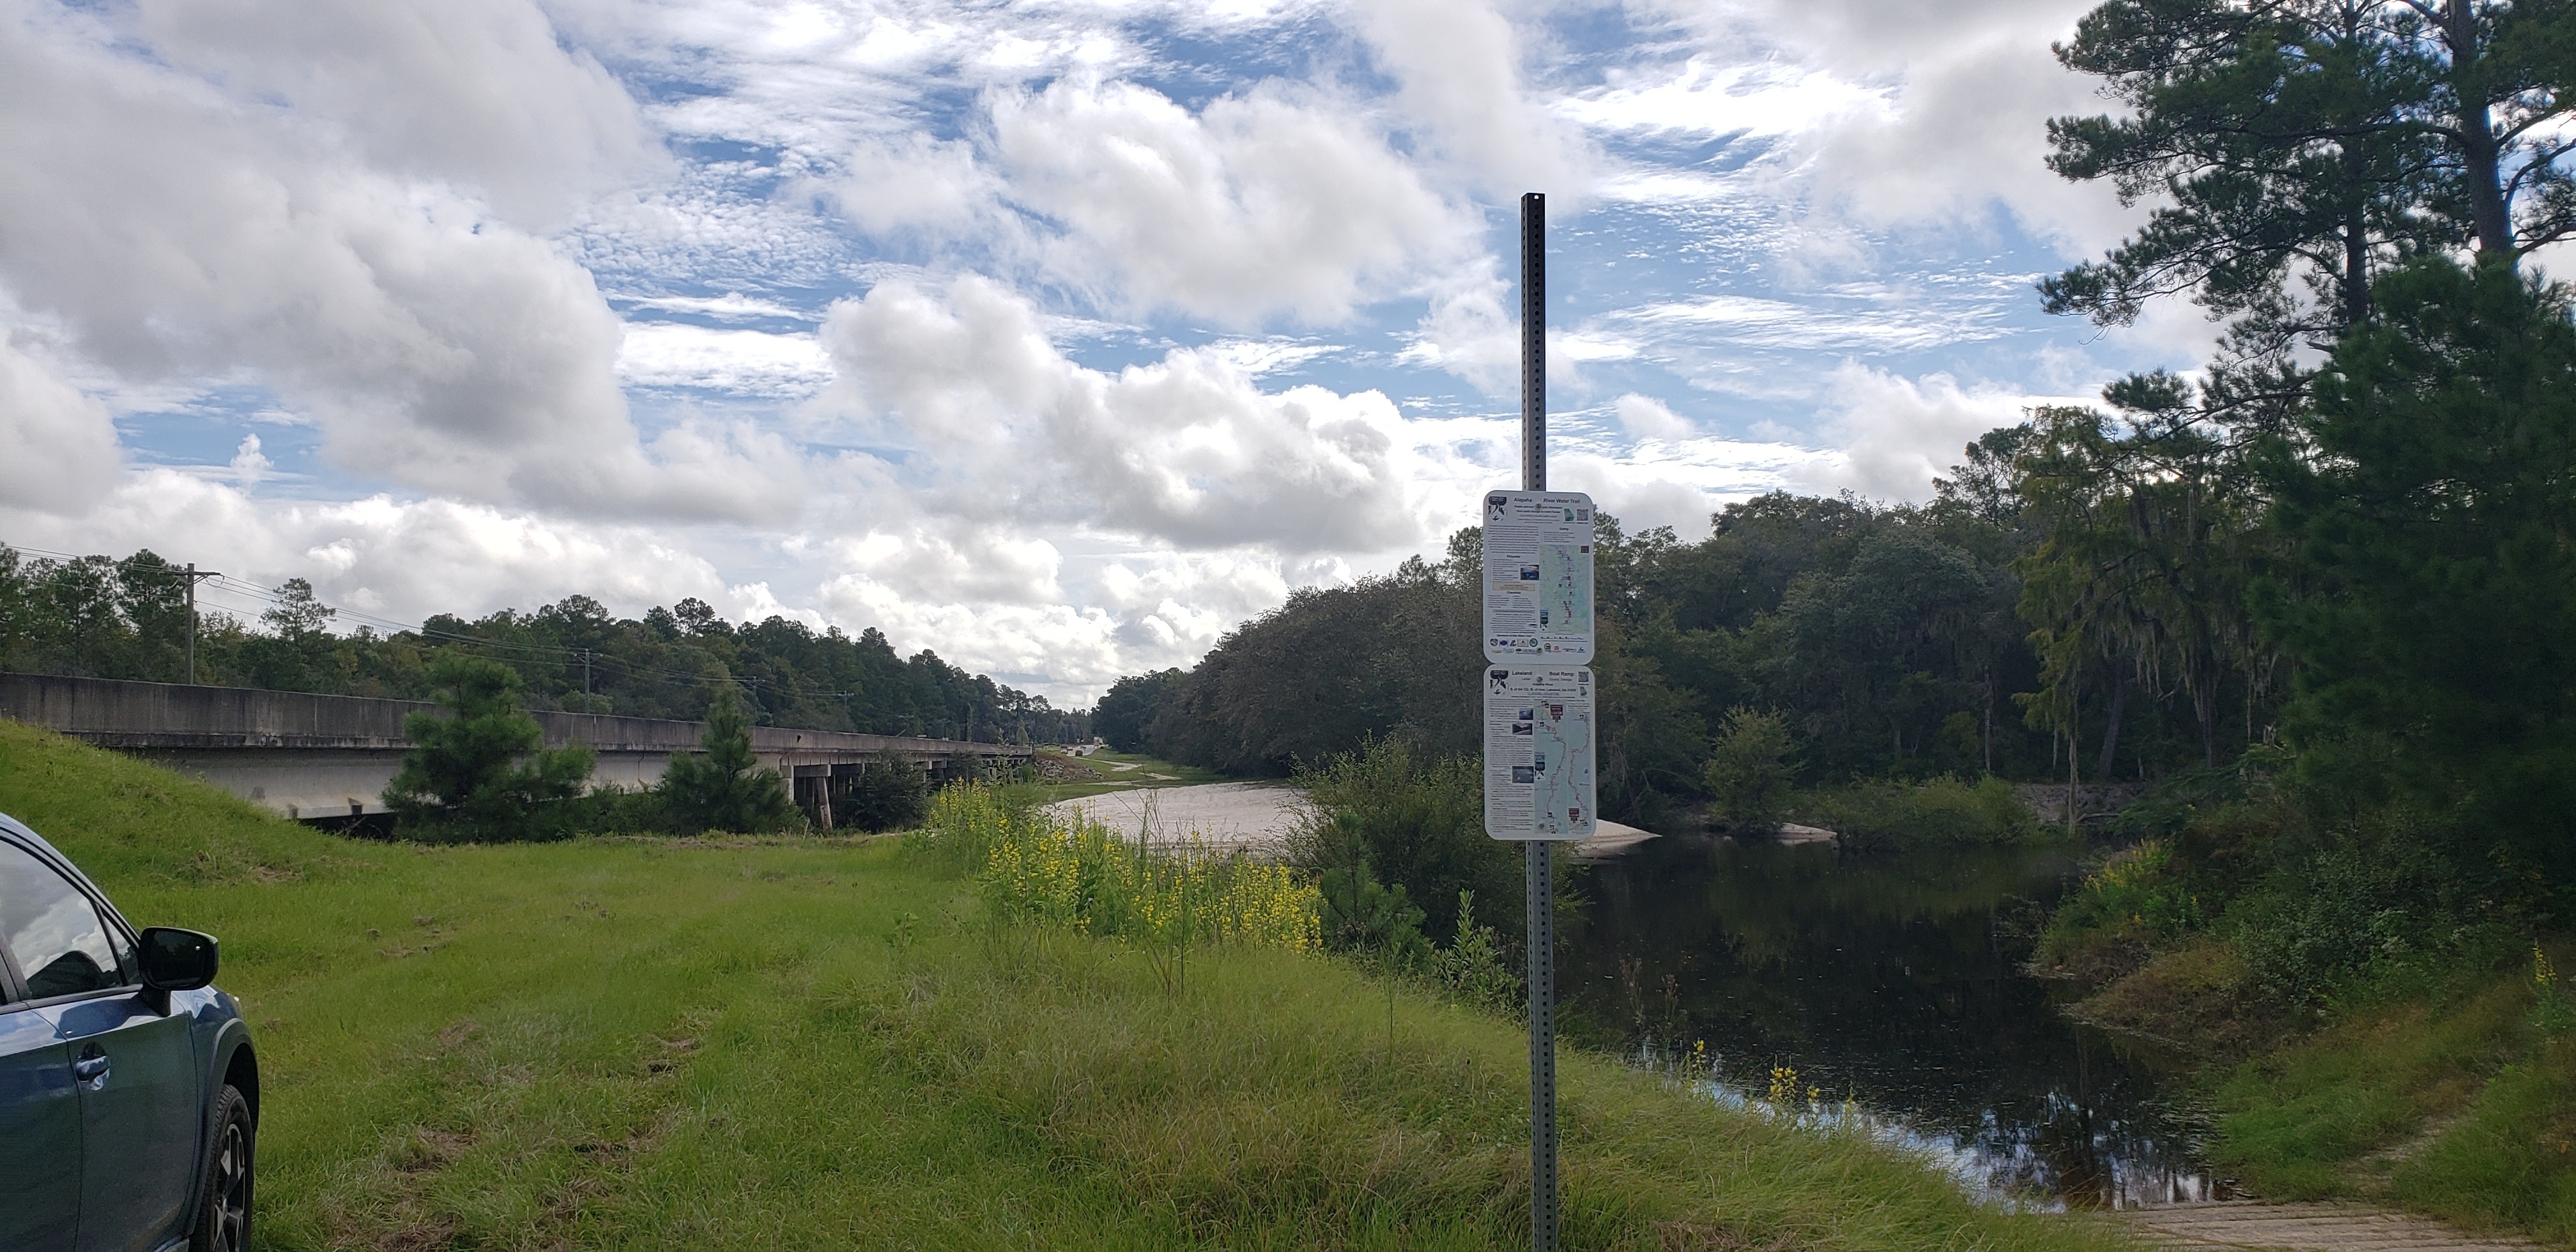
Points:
x=1538 y=577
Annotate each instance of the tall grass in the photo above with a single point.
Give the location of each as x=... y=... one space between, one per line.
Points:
x=1031 y=865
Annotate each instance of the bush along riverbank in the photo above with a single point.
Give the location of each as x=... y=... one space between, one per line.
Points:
x=786 y=1041
x=2378 y=1017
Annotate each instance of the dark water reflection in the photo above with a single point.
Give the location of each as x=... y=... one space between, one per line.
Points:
x=1891 y=985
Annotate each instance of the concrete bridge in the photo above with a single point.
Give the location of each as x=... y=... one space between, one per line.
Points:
x=316 y=757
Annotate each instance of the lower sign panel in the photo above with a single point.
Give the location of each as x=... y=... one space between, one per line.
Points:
x=1540 y=738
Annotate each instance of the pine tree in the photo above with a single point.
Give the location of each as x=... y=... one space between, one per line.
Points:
x=2430 y=508
x=482 y=771
x=723 y=788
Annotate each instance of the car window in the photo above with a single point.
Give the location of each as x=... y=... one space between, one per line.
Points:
x=55 y=932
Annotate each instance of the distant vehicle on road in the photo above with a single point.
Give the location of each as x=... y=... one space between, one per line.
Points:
x=129 y=1096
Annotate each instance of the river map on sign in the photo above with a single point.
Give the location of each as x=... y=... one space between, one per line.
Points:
x=1565 y=588
x=1540 y=736
x=1563 y=747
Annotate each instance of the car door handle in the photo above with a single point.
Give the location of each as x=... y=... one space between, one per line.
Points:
x=91 y=1068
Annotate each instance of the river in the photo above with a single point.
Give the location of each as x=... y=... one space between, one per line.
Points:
x=1891 y=986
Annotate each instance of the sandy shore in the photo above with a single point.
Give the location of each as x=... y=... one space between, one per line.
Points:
x=1252 y=817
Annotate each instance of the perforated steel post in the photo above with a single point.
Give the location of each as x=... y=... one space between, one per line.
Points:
x=1538 y=852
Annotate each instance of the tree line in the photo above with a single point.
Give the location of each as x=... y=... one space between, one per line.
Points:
x=106 y=618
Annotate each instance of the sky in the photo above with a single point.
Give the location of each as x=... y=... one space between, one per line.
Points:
x=1057 y=337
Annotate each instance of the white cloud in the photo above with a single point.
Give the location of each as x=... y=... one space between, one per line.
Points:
x=1259 y=205
x=913 y=185
x=746 y=362
x=1648 y=418
x=390 y=224
x=1750 y=321
x=1000 y=424
x=732 y=306
x=249 y=465
x=1760 y=98
x=1469 y=332
x=1963 y=100
x=1460 y=66
x=1896 y=434
x=954 y=563
x=57 y=446
x=177 y=234
x=479 y=92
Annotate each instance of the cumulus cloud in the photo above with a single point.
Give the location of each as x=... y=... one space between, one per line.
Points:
x=386 y=221
x=997 y=422
x=1647 y=418
x=1956 y=104
x=1459 y=63
x=57 y=445
x=1472 y=330
x=1896 y=434
x=955 y=563
x=479 y=92
x=1260 y=204
x=249 y=465
x=910 y=184
x=179 y=233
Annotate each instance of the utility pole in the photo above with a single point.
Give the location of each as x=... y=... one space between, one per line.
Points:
x=192 y=574
x=585 y=680
x=1538 y=868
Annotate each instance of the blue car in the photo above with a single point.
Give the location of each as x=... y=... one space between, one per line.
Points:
x=129 y=1097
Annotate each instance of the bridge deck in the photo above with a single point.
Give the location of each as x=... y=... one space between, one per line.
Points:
x=312 y=756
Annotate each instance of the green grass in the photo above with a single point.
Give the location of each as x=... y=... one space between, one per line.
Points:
x=820 y=1043
x=2455 y=1105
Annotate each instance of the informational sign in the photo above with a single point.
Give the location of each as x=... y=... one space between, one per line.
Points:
x=1538 y=577
x=1540 y=736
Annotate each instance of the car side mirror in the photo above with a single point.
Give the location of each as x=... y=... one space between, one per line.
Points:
x=177 y=960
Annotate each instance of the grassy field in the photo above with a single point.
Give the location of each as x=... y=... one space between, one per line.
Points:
x=820 y=1043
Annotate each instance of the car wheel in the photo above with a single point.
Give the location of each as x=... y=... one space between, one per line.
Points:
x=223 y=1205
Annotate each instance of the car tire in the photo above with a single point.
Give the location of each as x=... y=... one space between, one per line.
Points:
x=224 y=1193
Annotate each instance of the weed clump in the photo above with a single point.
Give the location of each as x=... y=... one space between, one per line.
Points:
x=1076 y=874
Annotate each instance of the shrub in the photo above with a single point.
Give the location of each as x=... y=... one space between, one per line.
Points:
x=2136 y=895
x=1411 y=821
x=1475 y=968
x=1752 y=768
x=962 y=825
x=1882 y=814
x=1362 y=915
x=889 y=794
x=2376 y=901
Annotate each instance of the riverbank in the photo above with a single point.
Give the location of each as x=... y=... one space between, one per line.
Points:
x=2444 y=1084
x=822 y=1043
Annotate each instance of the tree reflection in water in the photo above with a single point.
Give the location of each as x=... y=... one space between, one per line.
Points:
x=1892 y=985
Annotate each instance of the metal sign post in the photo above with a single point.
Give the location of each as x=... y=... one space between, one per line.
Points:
x=1542 y=729
x=1537 y=868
